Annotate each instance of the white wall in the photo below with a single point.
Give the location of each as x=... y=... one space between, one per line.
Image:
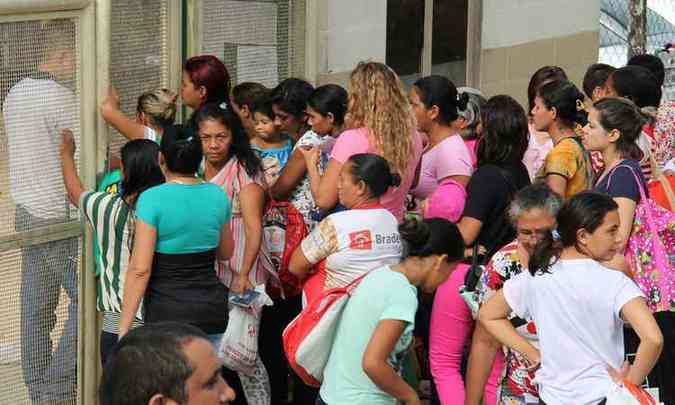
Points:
x=351 y=31
x=513 y=22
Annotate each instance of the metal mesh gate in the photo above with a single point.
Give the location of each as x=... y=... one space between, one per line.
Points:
x=615 y=23
x=260 y=41
x=138 y=53
x=39 y=243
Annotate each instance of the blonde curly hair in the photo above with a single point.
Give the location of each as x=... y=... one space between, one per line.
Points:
x=377 y=101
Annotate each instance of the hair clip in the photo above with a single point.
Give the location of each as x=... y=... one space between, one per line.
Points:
x=223 y=106
x=580 y=105
x=555 y=235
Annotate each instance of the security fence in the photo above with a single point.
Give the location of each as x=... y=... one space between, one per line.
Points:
x=614 y=29
x=57 y=63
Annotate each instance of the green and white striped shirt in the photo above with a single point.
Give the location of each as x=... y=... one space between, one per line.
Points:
x=112 y=221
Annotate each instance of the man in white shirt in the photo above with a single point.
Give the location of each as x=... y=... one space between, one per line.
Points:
x=35 y=111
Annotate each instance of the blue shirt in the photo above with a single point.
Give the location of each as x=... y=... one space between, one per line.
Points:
x=382 y=295
x=188 y=218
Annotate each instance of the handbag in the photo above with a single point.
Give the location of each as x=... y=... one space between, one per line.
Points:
x=308 y=339
x=650 y=250
x=468 y=290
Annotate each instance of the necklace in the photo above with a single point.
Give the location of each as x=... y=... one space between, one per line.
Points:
x=194 y=181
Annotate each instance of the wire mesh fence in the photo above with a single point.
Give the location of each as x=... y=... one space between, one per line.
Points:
x=38 y=281
x=259 y=41
x=138 y=54
x=614 y=29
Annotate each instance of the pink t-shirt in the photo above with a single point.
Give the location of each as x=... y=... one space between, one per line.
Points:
x=355 y=141
x=472 y=145
x=536 y=153
x=450 y=157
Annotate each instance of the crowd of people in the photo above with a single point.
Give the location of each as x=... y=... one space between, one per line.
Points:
x=414 y=192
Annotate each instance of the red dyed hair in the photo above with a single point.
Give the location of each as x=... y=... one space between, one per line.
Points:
x=210 y=72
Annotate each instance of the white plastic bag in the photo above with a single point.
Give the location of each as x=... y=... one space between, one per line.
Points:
x=628 y=394
x=239 y=345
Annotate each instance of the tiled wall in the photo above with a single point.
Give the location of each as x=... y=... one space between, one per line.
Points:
x=507 y=70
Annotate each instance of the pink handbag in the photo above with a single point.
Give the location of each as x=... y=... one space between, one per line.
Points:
x=650 y=251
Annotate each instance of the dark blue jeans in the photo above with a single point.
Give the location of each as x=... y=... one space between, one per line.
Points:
x=50 y=375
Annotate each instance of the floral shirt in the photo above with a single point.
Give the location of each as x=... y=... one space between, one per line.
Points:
x=517 y=384
x=302 y=198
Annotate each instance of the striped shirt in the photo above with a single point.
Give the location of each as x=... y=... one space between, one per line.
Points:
x=112 y=221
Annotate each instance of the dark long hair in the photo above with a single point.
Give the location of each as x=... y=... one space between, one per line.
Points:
x=543 y=75
x=141 y=168
x=330 y=98
x=438 y=91
x=375 y=172
x=566 y=99
x=505 y=133
x=182 y=149
x=586 y=210
x=291 y=96
x=623 y=115
x=433 y=236
x=637 y=84
x=240 y=147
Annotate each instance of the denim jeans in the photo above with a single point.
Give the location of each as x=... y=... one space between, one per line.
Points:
x=50 y=375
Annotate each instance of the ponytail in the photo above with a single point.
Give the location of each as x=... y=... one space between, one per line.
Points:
x=434 y=236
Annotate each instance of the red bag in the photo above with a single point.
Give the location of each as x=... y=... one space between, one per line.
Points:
x=308 y=339
x=283 y=231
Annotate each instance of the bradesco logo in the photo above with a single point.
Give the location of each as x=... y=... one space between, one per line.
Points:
x=361 y=240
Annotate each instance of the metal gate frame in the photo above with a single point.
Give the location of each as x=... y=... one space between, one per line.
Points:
x=83 y=13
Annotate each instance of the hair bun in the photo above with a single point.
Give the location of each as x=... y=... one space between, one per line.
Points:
x=415 y=234
x=395 y=180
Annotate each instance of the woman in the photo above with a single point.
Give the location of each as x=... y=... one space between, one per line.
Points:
x=289 y=102
x=500 y=174
x=532 y=212
x=357 y=240
x=205 y=80
x=176 y=245
x=140 y=171
x=231 y=164
x=376 y=326
x=326 y=109
x=613 y=128
x=558 y=109
x=540 y=142
x=154 y=110
x=614 y=125
x=380 y=122
x=435 y=103
x=579 y=307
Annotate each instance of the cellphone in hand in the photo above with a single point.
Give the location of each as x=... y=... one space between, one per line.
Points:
x=244 y=299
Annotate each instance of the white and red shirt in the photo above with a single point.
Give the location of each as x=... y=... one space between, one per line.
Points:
x=353 y=242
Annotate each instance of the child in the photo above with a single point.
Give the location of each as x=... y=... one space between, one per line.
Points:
x=273 y=146
x=243 y=96
x=326 y=109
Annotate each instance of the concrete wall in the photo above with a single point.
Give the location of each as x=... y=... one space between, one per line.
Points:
x=349 y=31
x=520 y=36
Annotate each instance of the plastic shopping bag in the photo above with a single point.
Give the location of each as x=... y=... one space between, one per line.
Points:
x=628 y=393
x=239 y=345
